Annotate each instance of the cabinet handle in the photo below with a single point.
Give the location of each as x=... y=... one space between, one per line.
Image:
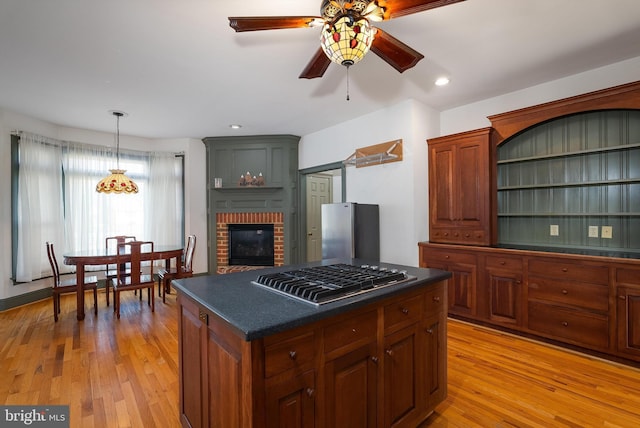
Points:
x=564 y=291
x=310 y=392
x=502 y=262
x=518 y=282
x=430 y=331
x=447 y=257
x=436 y=299
x=467 y=235
x=374 y=360
x=389 y=352
x=404 y=311
x=565 y=270
x=565 y=324
x=203 y=317
x=622 y=297
x=293 y=355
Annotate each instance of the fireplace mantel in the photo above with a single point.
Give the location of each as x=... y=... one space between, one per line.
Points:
x=276 y=157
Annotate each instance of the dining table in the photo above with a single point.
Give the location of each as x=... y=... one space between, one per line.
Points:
x=95 y=257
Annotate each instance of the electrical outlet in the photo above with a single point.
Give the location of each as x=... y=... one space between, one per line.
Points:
x=593 y=231
x=607 y=232
x=554 y=230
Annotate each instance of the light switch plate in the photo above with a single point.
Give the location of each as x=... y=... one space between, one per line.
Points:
x=607 y=232
x=593 y=231
x=554 y=230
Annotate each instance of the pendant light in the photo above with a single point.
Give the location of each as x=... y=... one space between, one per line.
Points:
x=117 y=182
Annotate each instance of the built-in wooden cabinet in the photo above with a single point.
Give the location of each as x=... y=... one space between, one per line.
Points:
x=586 y=301
x=459 y=177
x=383 y=365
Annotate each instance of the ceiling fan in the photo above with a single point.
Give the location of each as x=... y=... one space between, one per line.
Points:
x=347 y=34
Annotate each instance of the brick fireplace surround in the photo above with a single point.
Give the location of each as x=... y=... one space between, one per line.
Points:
x=222 y=237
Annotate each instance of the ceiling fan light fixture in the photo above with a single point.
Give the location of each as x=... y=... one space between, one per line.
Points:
x=347 y=39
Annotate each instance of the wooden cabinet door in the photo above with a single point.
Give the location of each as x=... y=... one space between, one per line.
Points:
x=462 y=289
x=291 y=403
x=403 y=372
x=435 y=361
x=351 y=389
x=193 y=391
x=628 y=314
x=504 y=296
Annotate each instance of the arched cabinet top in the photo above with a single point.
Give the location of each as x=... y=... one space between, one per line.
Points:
x=508 y=124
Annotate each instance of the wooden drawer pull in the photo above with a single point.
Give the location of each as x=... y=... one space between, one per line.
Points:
x=565 y=324
x=404 y=311
x=447 y=257
x=564 y=291
x=565 y=270
x=293 y=355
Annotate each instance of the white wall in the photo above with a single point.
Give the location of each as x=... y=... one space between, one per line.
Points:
x=195 y=185
x=474 y=116
x=392 y=186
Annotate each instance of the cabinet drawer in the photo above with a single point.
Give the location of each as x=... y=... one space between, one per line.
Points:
x=570 y=271
x=628 y=276
x=504 y=262
x=361 y=328
x=289 y=353
x=582 y=328
x=404 y=312
x=582 y=294
x=435 y=300
x=457 y=235
x=449 y=257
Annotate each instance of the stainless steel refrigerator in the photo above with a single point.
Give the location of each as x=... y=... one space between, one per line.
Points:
x=350 y=230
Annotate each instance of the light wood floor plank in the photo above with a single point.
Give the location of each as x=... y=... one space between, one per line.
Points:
x=125 y=373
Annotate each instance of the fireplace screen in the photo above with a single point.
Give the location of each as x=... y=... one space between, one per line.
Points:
x=251 y=244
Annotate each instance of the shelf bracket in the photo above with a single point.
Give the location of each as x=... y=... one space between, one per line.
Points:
x=390 y=151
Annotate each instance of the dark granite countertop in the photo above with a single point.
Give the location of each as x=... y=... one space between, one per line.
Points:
x=255 y=312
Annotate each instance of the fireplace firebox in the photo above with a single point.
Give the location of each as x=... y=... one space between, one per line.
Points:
x=251 y=244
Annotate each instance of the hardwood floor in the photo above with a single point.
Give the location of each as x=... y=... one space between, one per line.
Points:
x=125 y=373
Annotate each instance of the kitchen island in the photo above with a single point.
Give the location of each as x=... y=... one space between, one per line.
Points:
x=252 y=357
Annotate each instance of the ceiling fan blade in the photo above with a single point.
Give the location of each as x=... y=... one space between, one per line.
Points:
x=394 y=52
x=317 y=66
x=396 y=8
x=255 y=23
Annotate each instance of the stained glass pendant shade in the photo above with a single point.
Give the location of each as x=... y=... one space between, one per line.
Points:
x=347 y=39
x=117 y=181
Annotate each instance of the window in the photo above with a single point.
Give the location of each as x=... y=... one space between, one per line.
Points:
x=54 y=199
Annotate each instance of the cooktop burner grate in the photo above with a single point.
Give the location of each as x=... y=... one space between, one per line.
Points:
x=324 y=284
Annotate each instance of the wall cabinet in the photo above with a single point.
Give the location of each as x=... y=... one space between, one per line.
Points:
x=383 y=365
x=586 y=301
x=460 y=178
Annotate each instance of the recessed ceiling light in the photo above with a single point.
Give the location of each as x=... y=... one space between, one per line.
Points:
x=442 y=81
x=234 y=126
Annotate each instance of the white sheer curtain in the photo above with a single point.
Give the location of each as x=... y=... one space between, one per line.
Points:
x=164 y=199
x=40 y=209
x=58 y=201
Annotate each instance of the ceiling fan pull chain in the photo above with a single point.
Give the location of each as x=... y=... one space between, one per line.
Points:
x=347 y=83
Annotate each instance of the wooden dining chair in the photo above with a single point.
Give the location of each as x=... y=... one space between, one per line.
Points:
x=111 y=243
x=131 y=277
x=183 y=270
x=68 y=285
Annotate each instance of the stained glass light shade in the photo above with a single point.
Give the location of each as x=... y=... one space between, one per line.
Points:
x=346 y=40
x=117 y=182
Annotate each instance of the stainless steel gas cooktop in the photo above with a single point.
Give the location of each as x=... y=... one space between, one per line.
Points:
x=323 y=284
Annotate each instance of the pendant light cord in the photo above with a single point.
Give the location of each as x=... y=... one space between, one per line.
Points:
x=347 y=83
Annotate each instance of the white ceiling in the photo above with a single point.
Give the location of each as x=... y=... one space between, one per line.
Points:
x=179 y=70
